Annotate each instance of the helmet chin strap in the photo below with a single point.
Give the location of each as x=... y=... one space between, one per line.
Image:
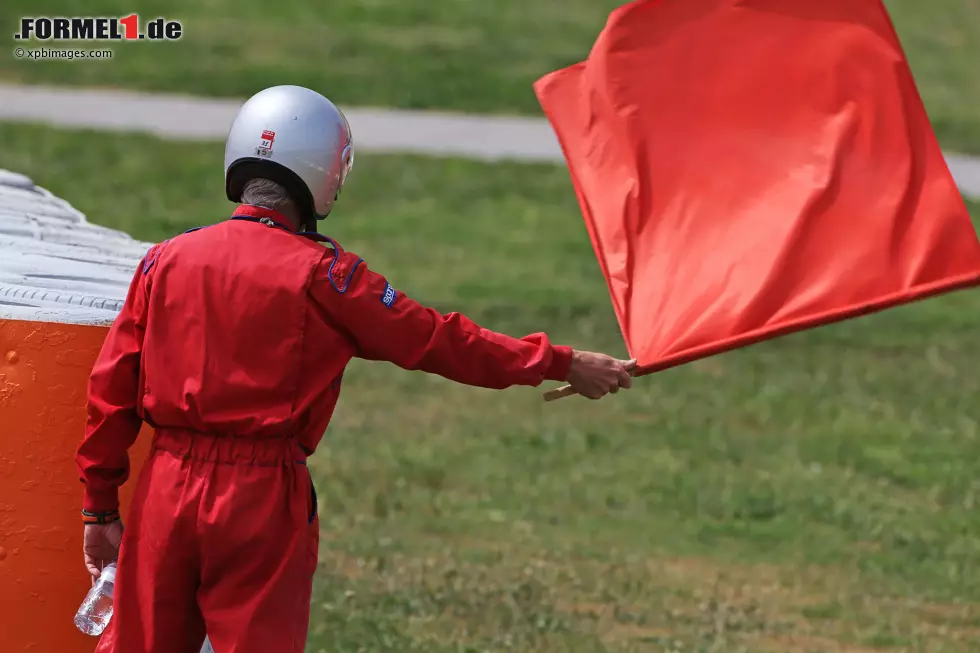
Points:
x=314 y=219
x=309 y=224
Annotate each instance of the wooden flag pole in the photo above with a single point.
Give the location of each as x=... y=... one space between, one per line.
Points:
x=557 y=393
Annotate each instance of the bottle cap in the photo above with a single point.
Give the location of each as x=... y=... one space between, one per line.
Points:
x=108 y=573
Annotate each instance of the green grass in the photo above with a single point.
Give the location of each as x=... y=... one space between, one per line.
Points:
x=814 y=493
x=468 y=55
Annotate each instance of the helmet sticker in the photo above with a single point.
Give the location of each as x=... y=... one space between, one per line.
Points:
x=265 y=143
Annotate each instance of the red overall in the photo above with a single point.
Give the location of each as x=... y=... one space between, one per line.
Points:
x=232 y=344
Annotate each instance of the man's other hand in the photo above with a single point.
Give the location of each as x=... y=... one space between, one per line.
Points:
x=101 y=546
x=595 y=375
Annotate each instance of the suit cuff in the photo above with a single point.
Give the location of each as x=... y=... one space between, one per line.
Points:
x=100 y=500
x=561 y=362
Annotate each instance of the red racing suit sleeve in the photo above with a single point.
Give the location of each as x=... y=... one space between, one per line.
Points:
x=113 y=419
x=385 y=325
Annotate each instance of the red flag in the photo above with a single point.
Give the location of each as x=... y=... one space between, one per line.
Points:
x=749 y=168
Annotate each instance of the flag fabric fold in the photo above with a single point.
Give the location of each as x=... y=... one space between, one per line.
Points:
x=750 y=168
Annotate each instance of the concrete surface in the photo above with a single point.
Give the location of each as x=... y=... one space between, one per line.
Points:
x=376 y=130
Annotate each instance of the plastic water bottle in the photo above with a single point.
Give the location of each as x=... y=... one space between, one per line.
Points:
x=96 y=610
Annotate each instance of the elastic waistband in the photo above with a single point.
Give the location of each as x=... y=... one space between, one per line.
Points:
x=227 y=449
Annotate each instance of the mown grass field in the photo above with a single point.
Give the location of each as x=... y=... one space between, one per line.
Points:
x=817 y=493
x=467 y=55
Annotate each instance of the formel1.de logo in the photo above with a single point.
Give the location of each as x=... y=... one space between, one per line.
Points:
x=97 y=28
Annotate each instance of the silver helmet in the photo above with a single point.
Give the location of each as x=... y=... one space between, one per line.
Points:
x=295 y=137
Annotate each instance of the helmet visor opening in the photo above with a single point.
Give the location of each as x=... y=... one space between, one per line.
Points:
x=346 y=163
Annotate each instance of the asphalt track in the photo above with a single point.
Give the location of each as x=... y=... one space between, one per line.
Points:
x=490 y=138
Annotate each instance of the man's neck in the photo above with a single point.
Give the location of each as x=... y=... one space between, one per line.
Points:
x=291 y=213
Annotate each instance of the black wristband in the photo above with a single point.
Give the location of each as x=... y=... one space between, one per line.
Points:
x=105 y=517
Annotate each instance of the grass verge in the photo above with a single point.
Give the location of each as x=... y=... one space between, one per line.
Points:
x=814 y=493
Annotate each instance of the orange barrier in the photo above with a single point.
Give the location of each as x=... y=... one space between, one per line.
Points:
x=44 y=369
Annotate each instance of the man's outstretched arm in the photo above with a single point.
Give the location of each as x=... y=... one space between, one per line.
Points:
x=384 y=324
